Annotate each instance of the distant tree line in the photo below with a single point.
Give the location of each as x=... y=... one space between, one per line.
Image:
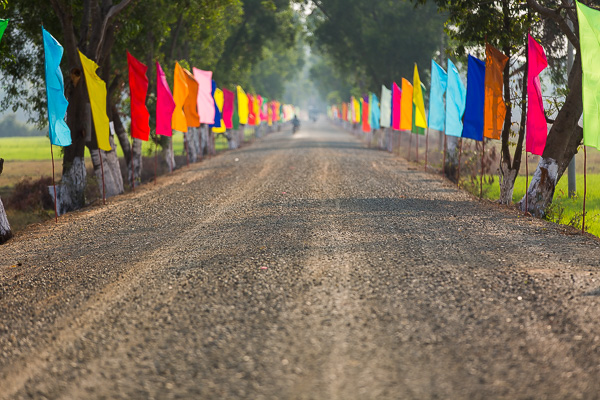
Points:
x=11 y=127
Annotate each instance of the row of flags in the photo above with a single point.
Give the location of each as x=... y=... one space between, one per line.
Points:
x=474 y=111
x=477 y=110
x=195 y=100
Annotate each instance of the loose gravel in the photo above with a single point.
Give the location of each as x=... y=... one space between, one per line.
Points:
x=300 y=267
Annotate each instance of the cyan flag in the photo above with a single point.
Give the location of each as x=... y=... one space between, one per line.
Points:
x=455 y=102
x=439 y=82
x=375 y=112
x=60 y=134
x=473 y=120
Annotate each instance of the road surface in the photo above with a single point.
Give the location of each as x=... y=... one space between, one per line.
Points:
x=299 y=267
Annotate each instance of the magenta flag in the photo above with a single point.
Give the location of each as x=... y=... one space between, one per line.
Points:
x=228 y=98
x=537 y=128
x=165 y=105
x=396 y=105
x=206 y=103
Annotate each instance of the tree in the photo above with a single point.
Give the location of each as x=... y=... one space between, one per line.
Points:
x=377 y=41
x=566 y=135
x=5 y=232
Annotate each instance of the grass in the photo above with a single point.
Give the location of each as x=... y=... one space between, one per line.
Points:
x=564 y=210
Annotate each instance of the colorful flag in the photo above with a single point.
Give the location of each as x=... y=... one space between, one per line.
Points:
x=396 y=106
x=138 y=89
x=256 y=106
x=385 y=116
x=364 y=102
x=97 y=94
x=589 y=37
x=406 y=112
x=357 y=111
x=251 y=115
x=420 y=117
x=437 y=111
x=345 y=111
x=228 y=100
x=219 y=101
x=494 y=111
x=190 y=107
x=456 y=97
x=165 y=105
x=235 y=119
x=473 y=119
x=180 y=92
x=375 y=111
x=60 y=134
x=3 y=25
x=205 y=102
x=242 y=105
x=537 y=128
x=218 y=116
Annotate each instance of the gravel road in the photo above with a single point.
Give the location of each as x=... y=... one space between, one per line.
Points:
x=299 y=267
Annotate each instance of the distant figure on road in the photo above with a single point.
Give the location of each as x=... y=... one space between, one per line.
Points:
x=295 y=124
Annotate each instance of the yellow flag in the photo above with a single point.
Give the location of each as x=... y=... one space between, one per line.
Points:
x=406 y=106
x=97 y=94
x=256 y=109
x=243 y=110
x=356 y=110
x=420 y=117
x=180 y=94
x=220 y=100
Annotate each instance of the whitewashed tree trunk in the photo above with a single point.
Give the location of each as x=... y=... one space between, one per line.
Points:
x=539 y=196
x=507 y=183
x=204 y=139
x=70 y=194
x=113 y=180
x=136 y=159
x=5 y=232
x=169 y=154
x=193 y=143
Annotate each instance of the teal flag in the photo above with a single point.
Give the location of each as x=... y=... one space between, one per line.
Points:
x=456 y=97
x=60 y=134
x=375 y=112
x=385 y=119
x=3 y=25
x=439 y=82
x=589 y=39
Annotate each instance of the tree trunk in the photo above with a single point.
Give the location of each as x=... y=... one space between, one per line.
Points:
x=113 y=180
x=204 y=139
x=451 y=167
x=5 y=232
x=169 y=154
x=193 y=143
x=507 y=183
x=131 y=154
x=563 y=140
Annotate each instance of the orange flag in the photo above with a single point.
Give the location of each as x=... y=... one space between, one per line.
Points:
x=494 y=110
x=190 y=108
x=406 y=106
x=180 y=92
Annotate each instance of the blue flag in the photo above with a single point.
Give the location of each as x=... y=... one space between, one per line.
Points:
x=60 y=134
x=473 y=120
x=439 y=82
x=455 y=102
x=218 y=115
x=375 y=112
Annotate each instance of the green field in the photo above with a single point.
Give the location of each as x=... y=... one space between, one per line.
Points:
x=563 y=210
x=38 y=148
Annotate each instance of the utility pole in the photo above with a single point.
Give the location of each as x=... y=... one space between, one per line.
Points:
x=571 y=172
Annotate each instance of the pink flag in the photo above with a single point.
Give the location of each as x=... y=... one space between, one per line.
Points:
x=165 y=105
x=396 y=106
x=537 y=129
x=206 y=103
x=228 y=97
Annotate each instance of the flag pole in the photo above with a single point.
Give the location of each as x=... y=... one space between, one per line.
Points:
x=417 y=149
x=584 y=188
x=102 y=171
x=155 y=158
x=526 y=181
x=426 y=146
x=459 y=156
x=409 y=144
x=444 y=161
x=132 y=171
x=54 y=184
x=481 y=176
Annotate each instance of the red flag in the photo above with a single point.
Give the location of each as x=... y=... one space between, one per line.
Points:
x=251 y=113
x=138 y=87
x=228 y=99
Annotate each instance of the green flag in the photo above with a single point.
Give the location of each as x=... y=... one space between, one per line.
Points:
x=235 y=120
x=3 y=25
x=589 y=39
